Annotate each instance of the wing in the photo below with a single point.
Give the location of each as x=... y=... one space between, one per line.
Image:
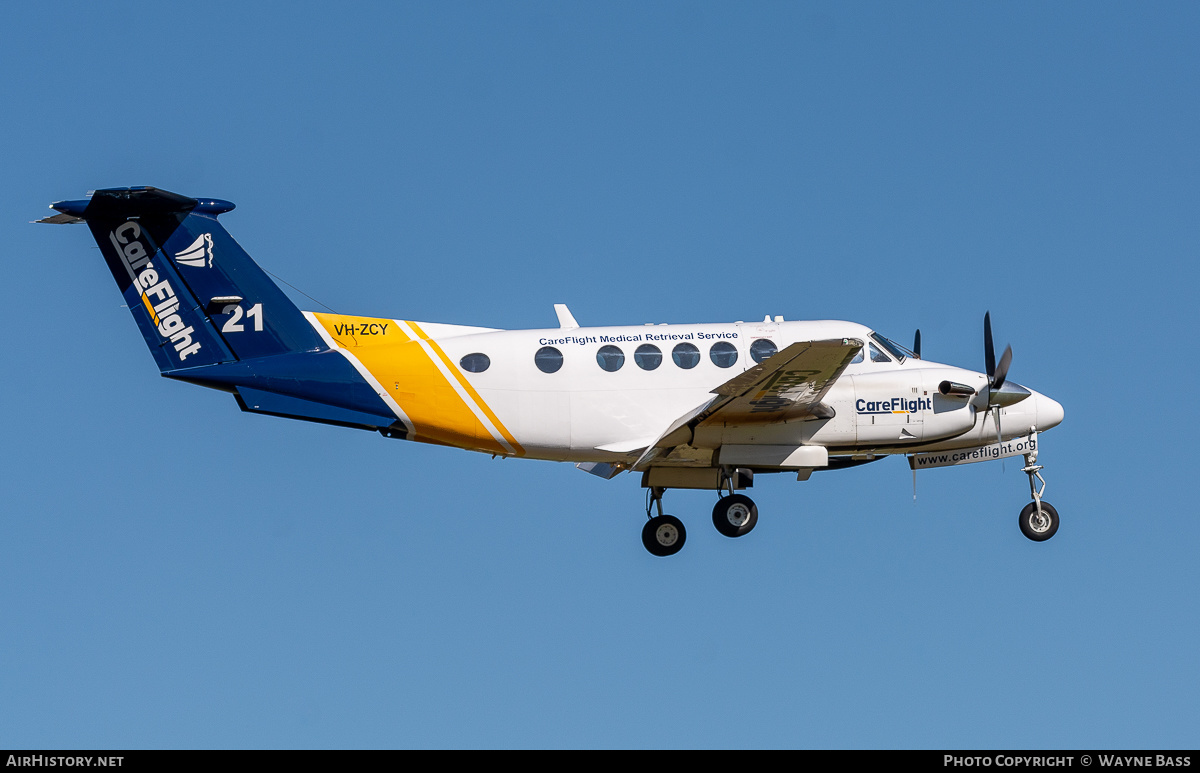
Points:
x=787 y=386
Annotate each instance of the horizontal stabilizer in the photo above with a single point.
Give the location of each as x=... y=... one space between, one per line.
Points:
x=273 y=404
x=62 y=218
x=322 y=378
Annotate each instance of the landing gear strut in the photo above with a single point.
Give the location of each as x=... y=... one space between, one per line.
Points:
x=663 y=535
x=1038 y=520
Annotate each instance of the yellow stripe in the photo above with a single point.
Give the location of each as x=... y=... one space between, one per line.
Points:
x=411 y=377
x=150 y=308
x=466 y=385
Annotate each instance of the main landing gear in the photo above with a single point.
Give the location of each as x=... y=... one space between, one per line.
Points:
x=664 y=535
x=1038 y=520
x=735 y=515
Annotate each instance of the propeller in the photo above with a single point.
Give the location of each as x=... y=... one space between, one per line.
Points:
x=997 y=372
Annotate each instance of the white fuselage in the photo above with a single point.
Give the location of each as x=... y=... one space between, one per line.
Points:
x=584 y=412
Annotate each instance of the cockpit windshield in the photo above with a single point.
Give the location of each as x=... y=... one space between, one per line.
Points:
x=895 y=349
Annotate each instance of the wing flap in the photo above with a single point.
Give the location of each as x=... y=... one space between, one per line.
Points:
x=678 y=433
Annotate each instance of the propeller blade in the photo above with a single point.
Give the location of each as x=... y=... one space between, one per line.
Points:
x=989 y=353
x=1002 y=368
x=996 y=373
x=917 y=344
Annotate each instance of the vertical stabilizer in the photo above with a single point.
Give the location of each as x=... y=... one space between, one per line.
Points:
x=195 y=294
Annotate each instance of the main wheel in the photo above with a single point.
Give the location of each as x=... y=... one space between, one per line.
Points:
x=664 y=535
x=1039 y=528
x=735 y=515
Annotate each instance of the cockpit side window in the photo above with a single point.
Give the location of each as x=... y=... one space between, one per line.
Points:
x=878 y=356
x=893 y=348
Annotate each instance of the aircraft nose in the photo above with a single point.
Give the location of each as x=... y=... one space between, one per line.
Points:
x=1049 y=413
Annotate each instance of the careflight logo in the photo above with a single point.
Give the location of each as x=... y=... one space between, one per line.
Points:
x=157 y=294
x=198 y=254
x=894 y=405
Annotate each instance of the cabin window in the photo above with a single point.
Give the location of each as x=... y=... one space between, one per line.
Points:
x=476 y=362
x=723 y=354
x=548 y=359
x=647 y=357
x=686 y=356
x=878 y=356
x=762 y=348
x=611 y=358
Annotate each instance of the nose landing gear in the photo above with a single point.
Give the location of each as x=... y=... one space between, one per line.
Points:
x=1038 y=520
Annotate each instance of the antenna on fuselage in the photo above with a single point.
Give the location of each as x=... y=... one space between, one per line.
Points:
x=566 y=320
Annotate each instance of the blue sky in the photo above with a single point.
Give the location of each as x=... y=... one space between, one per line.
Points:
x=178 y=574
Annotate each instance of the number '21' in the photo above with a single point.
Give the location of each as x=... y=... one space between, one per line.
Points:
x=234 y=325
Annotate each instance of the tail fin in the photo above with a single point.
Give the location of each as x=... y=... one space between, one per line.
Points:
x=195 y=294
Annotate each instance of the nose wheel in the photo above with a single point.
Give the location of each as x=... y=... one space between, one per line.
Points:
x=1039 y=525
